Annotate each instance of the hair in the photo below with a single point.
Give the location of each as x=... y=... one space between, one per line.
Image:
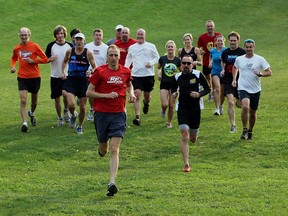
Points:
x=113 y=46
x=187 y=55
x=97 y=30
x=24 y=29
x=58 y=28
x=74 y=31
x=220 y=36
x=234 y=34
x=126 y=28
x=141 y=29
x=249 y=41
x=188 y=34
x=210 y=21
x=170 y=41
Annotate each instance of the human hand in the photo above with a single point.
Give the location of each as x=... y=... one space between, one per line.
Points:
x=112 y=95
x=132 y=98
x=194 y=94
x=13 y=70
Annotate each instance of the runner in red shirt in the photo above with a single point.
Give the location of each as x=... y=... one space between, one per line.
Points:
x=205 y=43
x=124 y=43
x=108 y=86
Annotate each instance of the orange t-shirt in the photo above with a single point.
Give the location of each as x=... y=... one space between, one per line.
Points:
x=30 y=50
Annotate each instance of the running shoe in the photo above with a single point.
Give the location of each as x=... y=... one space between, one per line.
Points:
x=90 y=116
x=162 y=113
x=145 y=107
x=111 y=189
x=32 y=118
x=79 y=130
x=233 y=129
x=60 y=122
x=244 y=135
x=24 y=128
x=73 y=120
x=217 y=111
x=168 y=125
x=221 y=110
x=136 y=122
x=187 y=168
x=249 y=137
x=66 y=116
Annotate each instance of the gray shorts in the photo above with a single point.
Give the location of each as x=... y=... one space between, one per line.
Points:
x=109 y=125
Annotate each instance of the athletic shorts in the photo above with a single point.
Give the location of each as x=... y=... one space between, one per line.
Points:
x=56 y=85
x=109 y=125
x=32 y=85
x=190 y=118
x=253 y=97
x=145 y=84
x=166 y=85
x=216 y=74
x=229 y=89
x=76 y=86
x=206 y=70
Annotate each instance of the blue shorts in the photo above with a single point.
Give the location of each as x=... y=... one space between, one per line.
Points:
x=109 y=125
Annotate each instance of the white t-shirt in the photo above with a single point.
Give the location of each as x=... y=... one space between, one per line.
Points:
x=99 y=52
x=60 y=50
x=140 y=55
x=248 y=80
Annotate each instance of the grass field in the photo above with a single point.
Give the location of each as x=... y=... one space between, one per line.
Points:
x=54 y=171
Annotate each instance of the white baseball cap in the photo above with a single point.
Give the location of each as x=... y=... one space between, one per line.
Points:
x=119 y=27
x=80 y=35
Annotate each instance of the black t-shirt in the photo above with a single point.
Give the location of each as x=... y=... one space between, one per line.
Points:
x=169 y=67
x=193 y=81
x=228 y=57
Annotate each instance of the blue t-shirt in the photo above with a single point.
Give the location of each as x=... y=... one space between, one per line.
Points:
x=216 y=60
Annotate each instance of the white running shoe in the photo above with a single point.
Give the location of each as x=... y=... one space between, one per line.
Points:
x=90 y=116
x=217 y=111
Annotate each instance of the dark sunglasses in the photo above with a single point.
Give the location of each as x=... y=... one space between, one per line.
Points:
x=118 y=30
x=186 y=63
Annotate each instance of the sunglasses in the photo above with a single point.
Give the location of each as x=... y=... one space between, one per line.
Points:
x=118 y=30
x=186 y=63
x=249 y=41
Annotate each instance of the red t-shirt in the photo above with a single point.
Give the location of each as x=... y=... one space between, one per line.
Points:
x=124 y=48
x=207 y=43
x=106 y=81
x=21 y=53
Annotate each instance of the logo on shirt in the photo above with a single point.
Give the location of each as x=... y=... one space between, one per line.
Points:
x=193 y=81
x=170 y=69
x=249 y=65
x=115 y=80
x=25 y=54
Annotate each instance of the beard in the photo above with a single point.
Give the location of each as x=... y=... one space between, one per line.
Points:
x=186 y=70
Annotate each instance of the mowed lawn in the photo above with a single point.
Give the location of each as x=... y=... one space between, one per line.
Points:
x=54 y=171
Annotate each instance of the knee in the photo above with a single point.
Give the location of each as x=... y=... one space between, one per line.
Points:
x=193 y=138
x=231 y=103
x=23 y=101
x=245 y=108
x=184 y=136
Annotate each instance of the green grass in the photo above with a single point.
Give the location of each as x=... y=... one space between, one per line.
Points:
x=53 y=171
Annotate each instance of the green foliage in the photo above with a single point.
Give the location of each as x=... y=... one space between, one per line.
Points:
x=53 y=171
